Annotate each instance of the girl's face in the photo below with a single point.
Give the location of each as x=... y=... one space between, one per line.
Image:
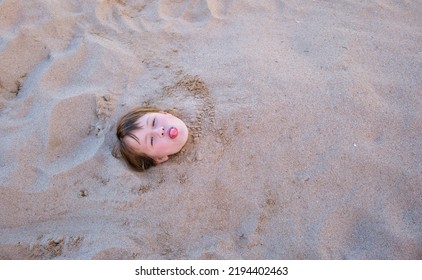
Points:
x=158 y=136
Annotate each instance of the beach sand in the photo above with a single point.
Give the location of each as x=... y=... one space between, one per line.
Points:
x=305 y=125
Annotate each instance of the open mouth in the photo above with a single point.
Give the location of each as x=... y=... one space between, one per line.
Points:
x=173 y=132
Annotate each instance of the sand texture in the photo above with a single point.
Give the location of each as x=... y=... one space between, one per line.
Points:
x=305 y=125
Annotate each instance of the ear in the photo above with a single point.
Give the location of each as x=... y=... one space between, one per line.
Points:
x=161 y=159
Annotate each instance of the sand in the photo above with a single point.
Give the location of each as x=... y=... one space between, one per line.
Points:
x=305 y=129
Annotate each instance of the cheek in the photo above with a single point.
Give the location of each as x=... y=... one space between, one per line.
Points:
x=162 y=146
x=165 y=147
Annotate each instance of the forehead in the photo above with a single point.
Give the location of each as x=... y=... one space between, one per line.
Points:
x=142 y=120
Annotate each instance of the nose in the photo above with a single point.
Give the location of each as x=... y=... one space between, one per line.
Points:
x=159 y=131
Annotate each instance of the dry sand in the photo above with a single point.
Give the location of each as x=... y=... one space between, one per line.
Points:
x=305 y=117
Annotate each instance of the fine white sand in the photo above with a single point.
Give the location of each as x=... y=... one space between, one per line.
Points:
x=305 y=120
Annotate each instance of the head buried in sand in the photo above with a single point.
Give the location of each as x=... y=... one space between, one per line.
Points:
x=148 y=136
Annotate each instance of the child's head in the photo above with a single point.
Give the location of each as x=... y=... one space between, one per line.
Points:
x=147 y=136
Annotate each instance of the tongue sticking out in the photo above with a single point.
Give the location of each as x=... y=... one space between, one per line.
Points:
x=173 y=132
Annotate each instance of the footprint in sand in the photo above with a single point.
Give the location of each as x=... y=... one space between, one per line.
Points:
x=193 y=11
x=76 y=130
x=117 y=14
x=110 y=13
x=353 y=233
x=249 y=232
x=200 y=11
x=190 y=11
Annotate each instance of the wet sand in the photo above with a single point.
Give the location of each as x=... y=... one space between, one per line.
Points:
x=305 y=121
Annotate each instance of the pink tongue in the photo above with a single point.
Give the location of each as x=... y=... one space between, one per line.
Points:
x=173 y=132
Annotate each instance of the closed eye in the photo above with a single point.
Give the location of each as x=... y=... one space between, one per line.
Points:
x=152 y=138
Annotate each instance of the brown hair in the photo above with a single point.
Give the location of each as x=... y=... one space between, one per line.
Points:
x=125 y=127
